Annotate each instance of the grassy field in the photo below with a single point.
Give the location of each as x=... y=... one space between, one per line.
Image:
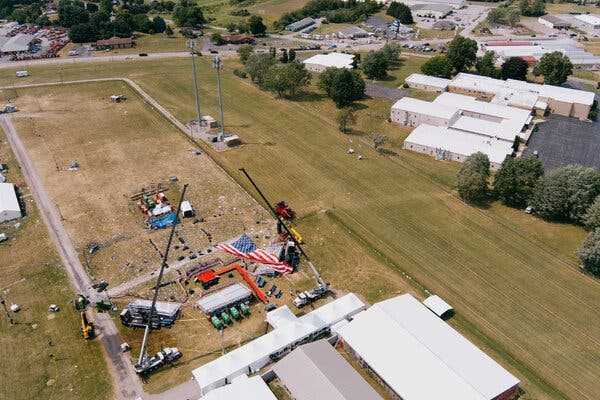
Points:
x=593 y=46
x=325 y=29
x=124 y=149
x=512 y=278
x=565 y=8
x=271 y=10
x=408 y=65
x=43 y=354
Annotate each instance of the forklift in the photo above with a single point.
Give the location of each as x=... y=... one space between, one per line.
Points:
x=87 y=327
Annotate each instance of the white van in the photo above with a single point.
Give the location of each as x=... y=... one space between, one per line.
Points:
x=22 y=74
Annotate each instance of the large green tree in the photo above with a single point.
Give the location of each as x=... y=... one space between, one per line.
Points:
x=554 y=67
x=286 y=80
x=72 y=12
x=245 y=51
x=514 y=68
x=437 y=66
x=486 y=65
x=592 y=215
x=589 y=253
x=83 y=33
x=462 y=53
x=375 y=65
x=257 y=66
x=159 y=24
x=343 y=86
x=256 y=25
x=516 y=179
x=188 y=14
x=566 y=193
x=472 y=178
x=401 y=12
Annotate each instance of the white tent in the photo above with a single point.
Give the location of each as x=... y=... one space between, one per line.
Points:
x=9 y=205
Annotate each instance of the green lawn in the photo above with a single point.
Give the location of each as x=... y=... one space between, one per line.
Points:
x=43 y=354
x=513 y=279
x=408 y=65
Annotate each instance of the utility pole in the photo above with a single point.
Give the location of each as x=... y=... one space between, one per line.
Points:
x=191 y=45
x=218 y=64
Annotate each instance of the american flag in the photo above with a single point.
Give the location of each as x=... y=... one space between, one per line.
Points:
x=244 y=247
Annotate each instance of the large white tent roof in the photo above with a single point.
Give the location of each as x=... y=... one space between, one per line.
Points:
x=421 y=357
x=242 y=388
x=337 y=60
x=421 y=79
x=435 y=109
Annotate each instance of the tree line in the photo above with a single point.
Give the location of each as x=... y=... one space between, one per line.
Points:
x=568 y=194
x=461 y=56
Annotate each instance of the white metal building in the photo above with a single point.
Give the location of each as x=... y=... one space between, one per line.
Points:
x=426 y=82
x=453 y=145
x=456 y=4
x=9 y=204
x=554 y=22
x=251 y=357
x=243 y=388
x=418 y=356
x=18 y=44
x=438 y=306
x=589 y=19
x=217 y=301
x=431 y=10
x=413 y=112
x=320 y=62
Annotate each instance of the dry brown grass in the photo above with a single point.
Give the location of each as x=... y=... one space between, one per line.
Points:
x=122 y=148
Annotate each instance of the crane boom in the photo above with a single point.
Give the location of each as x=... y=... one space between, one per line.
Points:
x=163 y=265
x=282 y=224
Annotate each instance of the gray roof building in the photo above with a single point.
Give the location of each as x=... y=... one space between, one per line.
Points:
x=223 y=298
x=299 y=25
x=20 y=43
x=316 y=371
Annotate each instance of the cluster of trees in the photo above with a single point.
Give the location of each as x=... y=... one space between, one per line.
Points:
x=24 y=11
x=536 y=8
x=253 y=25
x=511 y=68
x=334 y=10
x=342 y=85
x=504 y=15
x=567 y=194
x=461 y=55
x=188 y=14
x=554 y=67
x=376 y=64
x=401 y=12
x=285 y=76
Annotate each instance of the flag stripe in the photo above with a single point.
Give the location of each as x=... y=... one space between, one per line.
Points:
x=244 y=247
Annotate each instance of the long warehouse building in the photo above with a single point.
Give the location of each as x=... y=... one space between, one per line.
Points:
x=417 y=356
x=289 y=332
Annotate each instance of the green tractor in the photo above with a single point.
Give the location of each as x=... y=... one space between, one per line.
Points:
x=226 y=318
x=235 y=314
x=245 y=309
x=217 y=323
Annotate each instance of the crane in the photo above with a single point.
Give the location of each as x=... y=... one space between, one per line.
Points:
x=320 y=282
x=147 y=364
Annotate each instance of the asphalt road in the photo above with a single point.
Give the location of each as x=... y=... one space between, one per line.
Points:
x=126 y=383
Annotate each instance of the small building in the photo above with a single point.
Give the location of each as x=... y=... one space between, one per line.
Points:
x=242 y=387
x=444 y=25
x=589 y=19
x=426 y=82
x=114 y=43
x=417 y=356
x=320 y=62
x=299 y=25
x=137 y=313
x=242 y=38
x=222 y=299
x=432 y=10
x=18 y=44
x=317 y=371
x=439 y=307
x=352 y=32
x=554 y=22
x=186 y=209
x=9 y=203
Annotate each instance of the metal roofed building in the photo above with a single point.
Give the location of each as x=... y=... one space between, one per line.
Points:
x=9 y=204
x=413 y=112
x=453 y=145
x=243 y=388
x=299 y=25
x=256 y=354
x=589 y=20
x=554 y=22
x=18 y=44
x=352 y=32
x=431 y=10
x=426 y=82
x=320 y=62
x=438 y=306
x=505 y=130
x=456 y=4
x=217 y=301
x=420 y=357
x=317 y=371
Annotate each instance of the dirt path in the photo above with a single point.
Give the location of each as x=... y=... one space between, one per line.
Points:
x=125 y=381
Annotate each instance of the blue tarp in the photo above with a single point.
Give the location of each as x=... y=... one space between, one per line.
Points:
x=163 y=221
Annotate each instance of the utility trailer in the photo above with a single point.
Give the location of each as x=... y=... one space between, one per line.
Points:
x=309 y=296
x=168 y=355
